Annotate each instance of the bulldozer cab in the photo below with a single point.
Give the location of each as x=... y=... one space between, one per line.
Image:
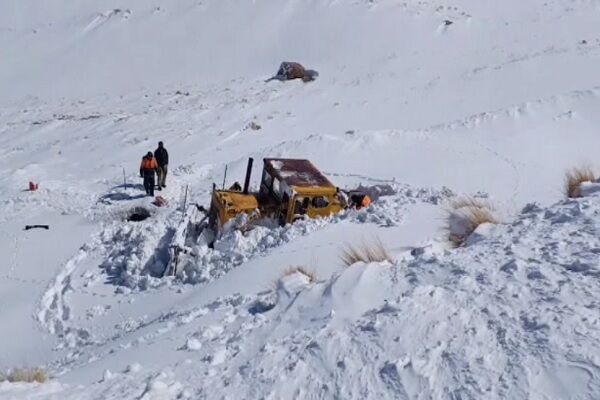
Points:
x=293 y=189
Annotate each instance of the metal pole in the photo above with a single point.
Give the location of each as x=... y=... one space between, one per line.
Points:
x=185 y=199
x=224 y=176
x=124 y=180
x=248 y=174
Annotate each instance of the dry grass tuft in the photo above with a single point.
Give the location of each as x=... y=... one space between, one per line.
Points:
x=366 y=253
x=574 y=178
x=468 y=202
x=25 y=375
x=310 y=274
x=465 y=214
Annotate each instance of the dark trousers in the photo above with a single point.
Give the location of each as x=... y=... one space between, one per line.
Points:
x=149 y=184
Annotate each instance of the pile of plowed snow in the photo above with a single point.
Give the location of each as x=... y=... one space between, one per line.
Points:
x=237 y=247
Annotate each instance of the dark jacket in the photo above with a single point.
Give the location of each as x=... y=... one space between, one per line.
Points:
x=162 y=156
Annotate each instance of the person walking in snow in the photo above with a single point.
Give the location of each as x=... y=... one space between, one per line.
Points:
x=162 y=158
x=148 y=168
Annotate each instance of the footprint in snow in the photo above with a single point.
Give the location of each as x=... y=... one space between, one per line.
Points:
x=101 y=18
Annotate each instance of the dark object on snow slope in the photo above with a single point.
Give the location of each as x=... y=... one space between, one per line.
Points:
x=138 y=214
x=293 y=70
x=28 y=227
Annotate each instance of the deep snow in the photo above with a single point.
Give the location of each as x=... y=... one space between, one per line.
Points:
x=497 y=104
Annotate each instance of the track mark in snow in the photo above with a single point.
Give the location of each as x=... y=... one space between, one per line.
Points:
x=512 y=165
x=54 y=311
x=390 y=376
x=13 y=265
x=102 y=18
x=516 y=59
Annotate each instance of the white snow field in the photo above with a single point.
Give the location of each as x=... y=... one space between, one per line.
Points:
x=436 y=98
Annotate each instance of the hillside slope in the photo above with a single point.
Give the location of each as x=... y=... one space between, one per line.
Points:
x=433 y=98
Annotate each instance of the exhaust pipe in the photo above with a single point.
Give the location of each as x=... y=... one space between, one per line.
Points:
x=248 y=174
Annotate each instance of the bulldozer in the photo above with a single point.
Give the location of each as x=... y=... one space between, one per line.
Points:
x=290 y=190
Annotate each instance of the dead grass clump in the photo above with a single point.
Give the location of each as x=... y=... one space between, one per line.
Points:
x=574 y=178
x=468 y=202
x=310 y=274
x=25 y=375
x=465 y=214
x=366 y=253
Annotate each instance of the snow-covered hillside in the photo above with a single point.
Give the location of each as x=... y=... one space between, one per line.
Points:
x=434 y=98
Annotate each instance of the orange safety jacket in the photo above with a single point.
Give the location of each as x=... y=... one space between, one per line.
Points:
x=366 y=202
x=148 y=164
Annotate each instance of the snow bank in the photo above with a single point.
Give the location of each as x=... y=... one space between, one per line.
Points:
x=236 y=247
x=31 y=390
x=511 y=316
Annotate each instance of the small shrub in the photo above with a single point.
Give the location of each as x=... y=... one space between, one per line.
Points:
x=25 y=375
x=574 y=178
x=310 y=274
x=366 y=253
x=465 y=214
x=468 y=202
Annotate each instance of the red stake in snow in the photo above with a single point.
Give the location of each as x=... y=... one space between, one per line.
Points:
x=33 y=186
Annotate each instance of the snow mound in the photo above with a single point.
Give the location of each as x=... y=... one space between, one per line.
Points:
x=512 y=316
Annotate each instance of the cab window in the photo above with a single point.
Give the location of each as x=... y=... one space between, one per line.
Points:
x=301 y=205
x=267 y=180
x=320 y=202
x=276 y=187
